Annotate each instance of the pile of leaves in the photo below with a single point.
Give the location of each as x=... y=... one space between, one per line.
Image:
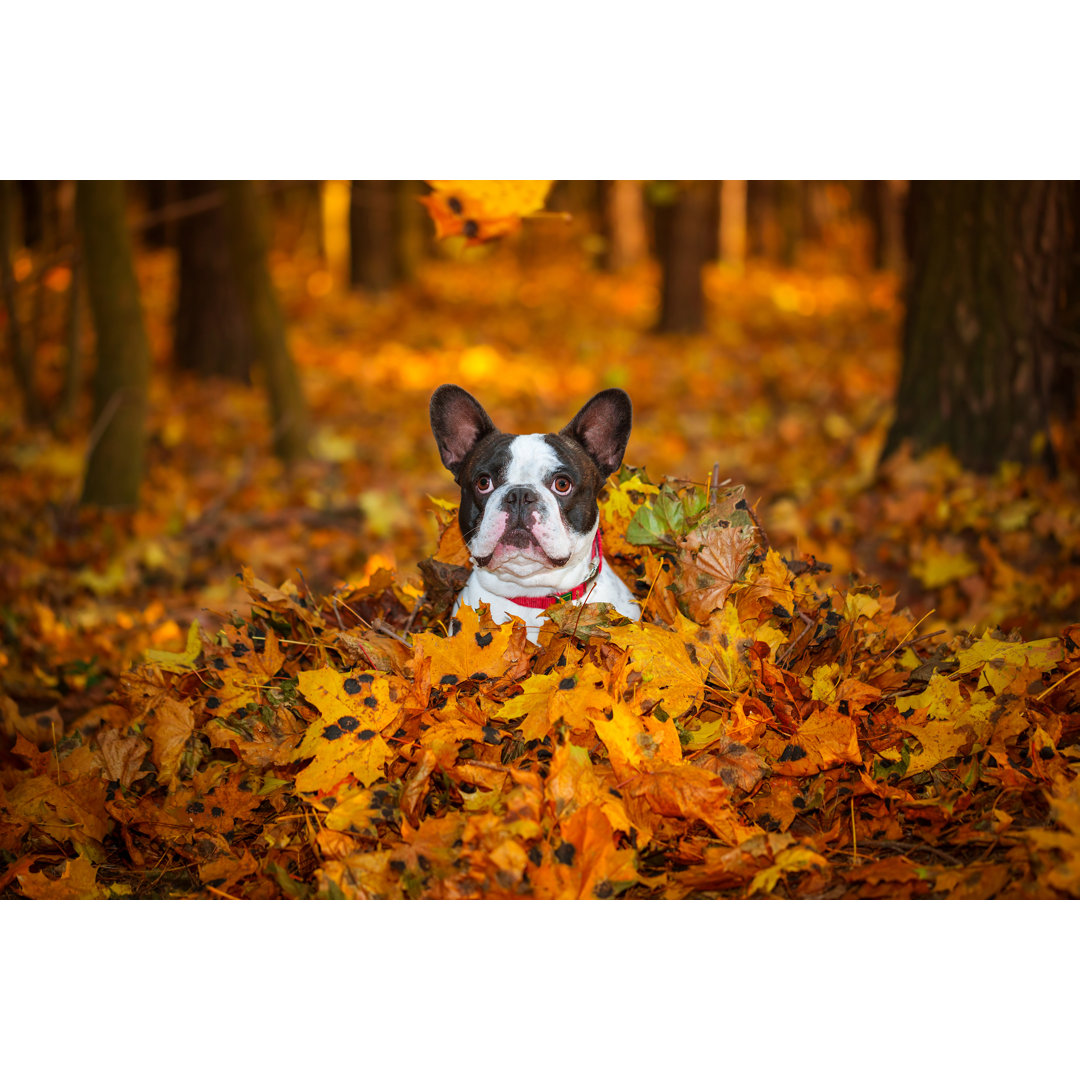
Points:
x=761 y=732
x=929 y=754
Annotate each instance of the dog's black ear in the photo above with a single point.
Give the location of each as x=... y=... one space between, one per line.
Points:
x=603 y=428
x=458 y=422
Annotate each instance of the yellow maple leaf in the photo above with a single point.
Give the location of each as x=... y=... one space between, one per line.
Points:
x=941 y=699
x=824 y=682
x=940 y=740
x=830 y=738
x=789 y=861
x=1002 y=659
x=937 y=565
x=358 y=810
x=857 y=605
x=477 y=650
x=345 y=740
x=561 y=695
x=636 y=740
x=450 y=727
x=573 y=782
x=481 y=210
x=618 y=508
x=728 y=642
x=668 y=673
x=589 y=864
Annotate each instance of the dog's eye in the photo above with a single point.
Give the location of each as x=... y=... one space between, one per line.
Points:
x=483 y=484
x=562 y=485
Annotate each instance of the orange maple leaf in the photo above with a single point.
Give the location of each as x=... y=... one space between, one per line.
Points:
x=481 y=210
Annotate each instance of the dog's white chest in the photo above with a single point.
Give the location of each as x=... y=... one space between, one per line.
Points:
x=608 y=588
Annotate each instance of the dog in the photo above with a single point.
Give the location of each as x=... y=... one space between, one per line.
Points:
x=529 y=511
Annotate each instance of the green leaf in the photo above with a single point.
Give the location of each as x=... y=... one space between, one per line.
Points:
x=659 y=523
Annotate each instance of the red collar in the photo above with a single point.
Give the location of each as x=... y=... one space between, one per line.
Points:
x=576 y=593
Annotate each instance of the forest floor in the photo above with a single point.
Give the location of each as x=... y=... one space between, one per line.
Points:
x=873 y=695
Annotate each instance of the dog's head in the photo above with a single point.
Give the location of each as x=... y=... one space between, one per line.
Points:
x=528 y=502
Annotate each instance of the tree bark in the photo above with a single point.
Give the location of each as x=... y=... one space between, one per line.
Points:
x=114 y=467
x=733 y=222
x=21 y=360
x=625 y=229
x=211 y=331
x=374 y=227
x=244 y=214
x=986 y=299
x=882 y=203
x=682 y=245
x=34 y=217
x=763 y=219
x=158 y=195
x=415 y=243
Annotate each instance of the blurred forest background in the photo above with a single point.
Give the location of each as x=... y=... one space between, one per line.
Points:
x=202 y=375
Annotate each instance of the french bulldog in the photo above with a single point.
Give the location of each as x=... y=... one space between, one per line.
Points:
x=528 y=510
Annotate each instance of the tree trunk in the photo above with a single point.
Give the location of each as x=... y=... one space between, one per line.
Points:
x=987 y=292
x=374 y=220
x=791 y=219
x=624 y=228
x=34 y=217
x=158 y=196
x=414 y=237
x=714 y=209
x=114 y=467
x=21 y=359
x=682 y=245
x=763 y=219
x=211 y=331
x=882 y=202
x=733 y=222
x=244 y=214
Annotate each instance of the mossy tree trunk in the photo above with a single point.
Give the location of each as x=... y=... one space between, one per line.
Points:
x=986 y=299
x=114 y=468
x=211 y=331
x=245 y=218
x=685 y=227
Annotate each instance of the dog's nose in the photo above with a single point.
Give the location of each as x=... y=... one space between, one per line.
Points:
x=520 y=496
x=518 y=503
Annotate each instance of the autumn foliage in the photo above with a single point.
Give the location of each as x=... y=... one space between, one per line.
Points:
x=846 y=682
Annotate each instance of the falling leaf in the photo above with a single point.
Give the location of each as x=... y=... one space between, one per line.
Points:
x=481 y=210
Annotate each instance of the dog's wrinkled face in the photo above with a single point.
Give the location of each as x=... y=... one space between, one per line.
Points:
x=528 y=502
